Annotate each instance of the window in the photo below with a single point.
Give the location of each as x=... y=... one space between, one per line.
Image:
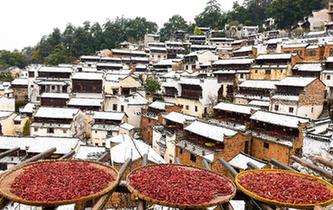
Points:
x=122 y=108
x=267 y=71
x=65 y=131
x=35 y=129
x=50 y=130
x=196 y=108
x=16 y=122
x=276 y=107
x=291 y=109
x=312 y=109
x=312 y=53
x=328 y=77
x=115 y=107
x=331 y=52
x=193 y=158
x=266 y=145
x=180 y=151
x=187 y=107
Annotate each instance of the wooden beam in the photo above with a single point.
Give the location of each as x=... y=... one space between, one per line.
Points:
x=102 y=201
x=323 y=161
x=251 y=165
x=313 y=167
x=279 y=165
x=40 y=156
x=68 y=155
x=9 y=152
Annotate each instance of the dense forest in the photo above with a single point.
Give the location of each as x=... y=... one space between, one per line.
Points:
x=66 y=46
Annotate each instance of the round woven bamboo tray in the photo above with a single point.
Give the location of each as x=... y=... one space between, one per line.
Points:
x=216 y=201
x=7 y=179
x=278 y=203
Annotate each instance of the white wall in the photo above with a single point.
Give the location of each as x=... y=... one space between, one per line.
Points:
x=7 y=104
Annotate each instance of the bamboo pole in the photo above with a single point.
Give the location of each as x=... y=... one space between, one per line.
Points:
x=102 y=201
x=68 y=155
x=278 y=164
x=313 y=167
x=324 y=161
x=9 y=152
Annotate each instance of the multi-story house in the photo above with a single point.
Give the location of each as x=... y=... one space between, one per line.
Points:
x=193 y=60
x=300 y=96
x=308 y=69
x=273 y=66
x=196 y=96
x=327 y=77
x=276 y=136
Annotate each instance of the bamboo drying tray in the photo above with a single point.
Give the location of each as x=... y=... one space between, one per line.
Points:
x=7 y=179
x=278 y=203
x=216 y=201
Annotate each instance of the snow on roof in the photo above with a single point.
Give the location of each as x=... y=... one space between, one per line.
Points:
x=55 y=95
x=285 y=97
x=90 y=57
x=166 y=62
x=296 y=81
x=233 y=61
x=85 y=102
x=20 y=81
x=260 y=84
x=170 y=83
x=89 y=152
x=45 y=82
x=111 y=65
x=117 y=139
x=160 y=105
x=308 y=67
x=28 y=108
x=226 y=71
x=329 y=59
x=127 y=126
x=87 y=76
x=278 y=119
x=158 y=49
x=115 y=77
x=109 y=115
x=136 y=99
x=312 y=47
x=259 y=103
x=56 y=113
x=295 y=45
x=241 y=160
x=238 y=204
x=210 y=131
x=39 y=144
x=274 y=56
x=55 y=69
x=5 y=114
x=179 y=118
x=244 y=109
x=134 y=149
x=190 y=81
x=243 y=49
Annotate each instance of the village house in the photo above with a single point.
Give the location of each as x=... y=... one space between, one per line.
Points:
x=56 y=122
x=151 y=38
x=300 y=96
x=255 y=92
x=327 y=77
x=240 y=162
x=308 y=69
x=7 y=125
x=120 y=84
x=235 y=115
x=47 y=79
x=197 y=39
x=174 y=48
x=195 y=96
x=314 y=53
x=273 y=66
x=276 y=136
x=157 y=53
x=297 y=48
x=132 y=105
x=7 y=101
x=196 y=47
x=193 y=60
x=20 y=90
x=124 y=53
x=246 y=51
x=168 y=65
x=220 y=41
x=204 y=140
x=105 y=125
x=54 y=99
x=152 y=115
x=84 y=82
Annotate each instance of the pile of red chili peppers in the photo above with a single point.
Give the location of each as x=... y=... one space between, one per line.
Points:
x=57 y=181
x=179 y=185
x=286 y=187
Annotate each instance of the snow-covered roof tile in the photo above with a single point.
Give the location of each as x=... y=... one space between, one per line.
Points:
x=233 y=61
x=274 y=56
x=296 y=81
x=240 y=161
x=278 y=119
x=109 y=115
x=160 y=105
x=56 y=113
x=260 y=84
x=85 y=102
x=243 y=109
x=179 y=118
x=210 y=131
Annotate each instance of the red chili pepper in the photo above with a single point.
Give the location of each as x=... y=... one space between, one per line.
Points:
x=54 y=181
x=286 y=187
x=179 y=185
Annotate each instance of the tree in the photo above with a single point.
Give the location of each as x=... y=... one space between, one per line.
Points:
x=197 y=31
x=212 y=16
x=175 y=23
x=58 y=55
x=26 y=128
x=152 y=86
x=6 y=77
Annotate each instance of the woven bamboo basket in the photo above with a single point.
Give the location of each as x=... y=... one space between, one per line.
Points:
x=278 y=203
x=8 y=178
x=216 y=201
